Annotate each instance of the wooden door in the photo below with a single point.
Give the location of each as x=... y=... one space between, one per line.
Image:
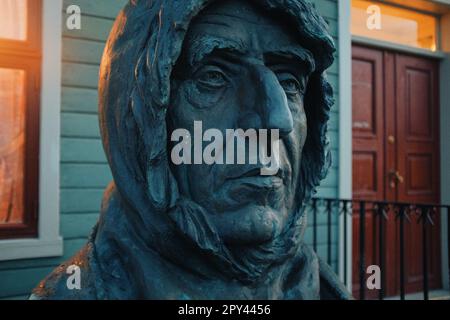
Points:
x=395 y=158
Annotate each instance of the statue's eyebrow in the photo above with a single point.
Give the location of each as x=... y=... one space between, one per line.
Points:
x=203 y=46
x=302 y=55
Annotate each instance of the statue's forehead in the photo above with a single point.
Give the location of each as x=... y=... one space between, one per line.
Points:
x=236 y=9
x=237 y=25
x=239 y=12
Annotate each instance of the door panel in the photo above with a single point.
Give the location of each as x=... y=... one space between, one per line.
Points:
x=367 y=86
x=418 y=129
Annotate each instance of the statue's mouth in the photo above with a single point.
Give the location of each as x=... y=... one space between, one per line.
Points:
x=253 y=177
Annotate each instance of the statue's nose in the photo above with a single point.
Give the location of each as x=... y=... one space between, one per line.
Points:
x=271 y=102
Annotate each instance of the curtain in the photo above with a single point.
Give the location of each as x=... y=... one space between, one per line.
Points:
x=13 y=26
x=12 y=145
x=13 y=19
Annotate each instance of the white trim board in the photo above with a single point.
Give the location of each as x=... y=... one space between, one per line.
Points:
x=445 y=145
x=345 y=133
x=397 y=47
x=444 y=2
x=445 y=160
x=49 y=242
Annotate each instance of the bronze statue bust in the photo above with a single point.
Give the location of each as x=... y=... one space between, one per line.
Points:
x=188 y=228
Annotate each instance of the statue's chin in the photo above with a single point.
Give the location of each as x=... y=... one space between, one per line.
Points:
x=250 y=225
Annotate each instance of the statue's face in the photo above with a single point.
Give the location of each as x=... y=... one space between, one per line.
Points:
x=242 y=70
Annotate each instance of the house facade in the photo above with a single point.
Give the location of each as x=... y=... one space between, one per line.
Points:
x=388 y=130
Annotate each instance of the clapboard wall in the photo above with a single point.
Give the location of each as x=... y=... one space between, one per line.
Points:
x=84 y=171
x=329 y=187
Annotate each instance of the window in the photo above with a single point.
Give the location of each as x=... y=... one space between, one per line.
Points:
x=379 y=21
x=20 y=64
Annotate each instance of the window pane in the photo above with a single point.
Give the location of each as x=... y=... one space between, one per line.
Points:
x=393 y=24
x=12 y=145
x=13 y=19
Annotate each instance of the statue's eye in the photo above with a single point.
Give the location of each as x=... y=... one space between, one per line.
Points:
x=290 y=84
x=212 y=77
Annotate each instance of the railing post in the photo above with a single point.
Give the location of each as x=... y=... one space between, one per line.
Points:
x=362 y=244
x=424 y=216
x=314 y=207
x=345 y=242
x=329 y=223
x=402 y=252
x=381 y=249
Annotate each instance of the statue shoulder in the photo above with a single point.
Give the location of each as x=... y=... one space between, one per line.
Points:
x=72 y=280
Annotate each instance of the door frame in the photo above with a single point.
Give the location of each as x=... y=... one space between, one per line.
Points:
x=346 y=41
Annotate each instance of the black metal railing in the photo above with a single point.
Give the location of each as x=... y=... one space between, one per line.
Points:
x=383 y=233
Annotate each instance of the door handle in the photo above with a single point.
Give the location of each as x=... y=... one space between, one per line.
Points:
x=396 y=177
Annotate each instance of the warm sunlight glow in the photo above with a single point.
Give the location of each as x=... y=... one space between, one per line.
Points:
x=12 y=144
x=372 y=19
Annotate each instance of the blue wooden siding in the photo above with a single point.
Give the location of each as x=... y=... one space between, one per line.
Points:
x=329 y=187
x=84 y=171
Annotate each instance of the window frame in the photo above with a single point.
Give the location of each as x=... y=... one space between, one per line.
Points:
x=26 y=55
x=31 y=47
x=28 y=228
x=48 y=242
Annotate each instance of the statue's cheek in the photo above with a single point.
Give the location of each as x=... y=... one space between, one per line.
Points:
x=296 y=105
x=203 y=98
